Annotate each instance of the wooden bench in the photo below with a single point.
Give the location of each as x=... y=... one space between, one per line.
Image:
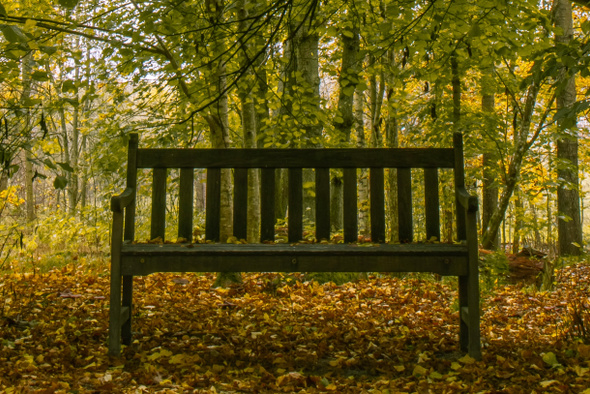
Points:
x=129 y=258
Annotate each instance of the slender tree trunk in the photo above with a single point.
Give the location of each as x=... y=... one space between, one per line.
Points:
x=27 y=125
x=511 y=178
x=218 y=113
x=569 y=224
x=518 y=220
x=363 y=187
x=249 y=124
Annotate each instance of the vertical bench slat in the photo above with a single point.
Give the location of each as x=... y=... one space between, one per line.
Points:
x=377 y=196
x=241 y=203
x=431 y=201
x=404 y=204
x=158 y=224
x=295 y=204
x=129 y=232
x=459 y=183
x=213 y=204
x=267 y=204
x=186 y=196
x=322 y=203
x=349 y=205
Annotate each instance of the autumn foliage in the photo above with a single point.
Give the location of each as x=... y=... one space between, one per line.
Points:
x=279 y=333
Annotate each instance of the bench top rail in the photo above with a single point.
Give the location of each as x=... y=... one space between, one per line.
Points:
x=297 y=158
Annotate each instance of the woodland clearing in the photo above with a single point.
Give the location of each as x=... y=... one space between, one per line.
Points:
x=276 y=333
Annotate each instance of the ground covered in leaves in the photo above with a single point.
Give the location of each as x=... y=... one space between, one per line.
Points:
x=278 y=334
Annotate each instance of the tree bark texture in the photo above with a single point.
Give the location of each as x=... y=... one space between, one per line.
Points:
x=569 y=223
x=489 y=160
x=249 y=125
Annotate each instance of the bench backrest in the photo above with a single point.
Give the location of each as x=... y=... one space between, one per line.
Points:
x=295 y=160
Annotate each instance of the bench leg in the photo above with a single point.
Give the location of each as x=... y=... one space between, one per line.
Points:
x=463 y=313
x=115 y=316
x=469 y=334
x=474 y=318
x=127 y=304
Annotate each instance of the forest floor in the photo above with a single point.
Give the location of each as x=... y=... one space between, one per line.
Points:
x=276 y=334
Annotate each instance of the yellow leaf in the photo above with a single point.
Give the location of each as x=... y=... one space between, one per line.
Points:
x=456 y=366
x=435 y=375
x=331 y=387
x=467 y=359
x=419 y=371
x=547 y=383
x=550 y=359
x=399 y=368
x=581 y=371
x=177 y=359
x=30 y=23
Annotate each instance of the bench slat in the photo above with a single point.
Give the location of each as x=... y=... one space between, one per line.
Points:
x=295 y=222
x=267 y=204
x=322 y=201
x=444 y=259
x=404 y=204
x=297 y=158
x=431 y=200
x=213 y=204
x=129 y=234
x=349 y=205
x=377 y=196
x=186 y=196
x=158 y=223
x=241 y=203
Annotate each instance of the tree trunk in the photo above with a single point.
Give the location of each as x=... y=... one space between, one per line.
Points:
x=347 y=81
x=217 y=118
x=489 y=162
x=391 y=141
x=511 y=178
x=249 y=124
x=569 y=224
x=363 y=184
x=518 y=220
x=27 y=126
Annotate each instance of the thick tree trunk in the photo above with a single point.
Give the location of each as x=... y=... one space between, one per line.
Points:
x=391 y=141
x=489 y=162
x=218 y=114
x=569 y=224
x=347 y=81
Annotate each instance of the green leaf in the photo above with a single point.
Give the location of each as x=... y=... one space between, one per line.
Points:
x=50 y=164
x=74 y=102
x=69 y=86
x=65 y=166
x=60 y=182
x=68 y=3
x=47 y=49
x=3 y=11
x=13 y=34
x=40 y=76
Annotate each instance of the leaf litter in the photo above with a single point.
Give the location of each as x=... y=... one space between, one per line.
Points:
x=275 y=334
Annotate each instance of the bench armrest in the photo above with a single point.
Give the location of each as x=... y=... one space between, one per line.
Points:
x=466 y=200
x=119 y=202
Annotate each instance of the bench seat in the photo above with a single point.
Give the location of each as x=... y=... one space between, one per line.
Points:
x=443 y=259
